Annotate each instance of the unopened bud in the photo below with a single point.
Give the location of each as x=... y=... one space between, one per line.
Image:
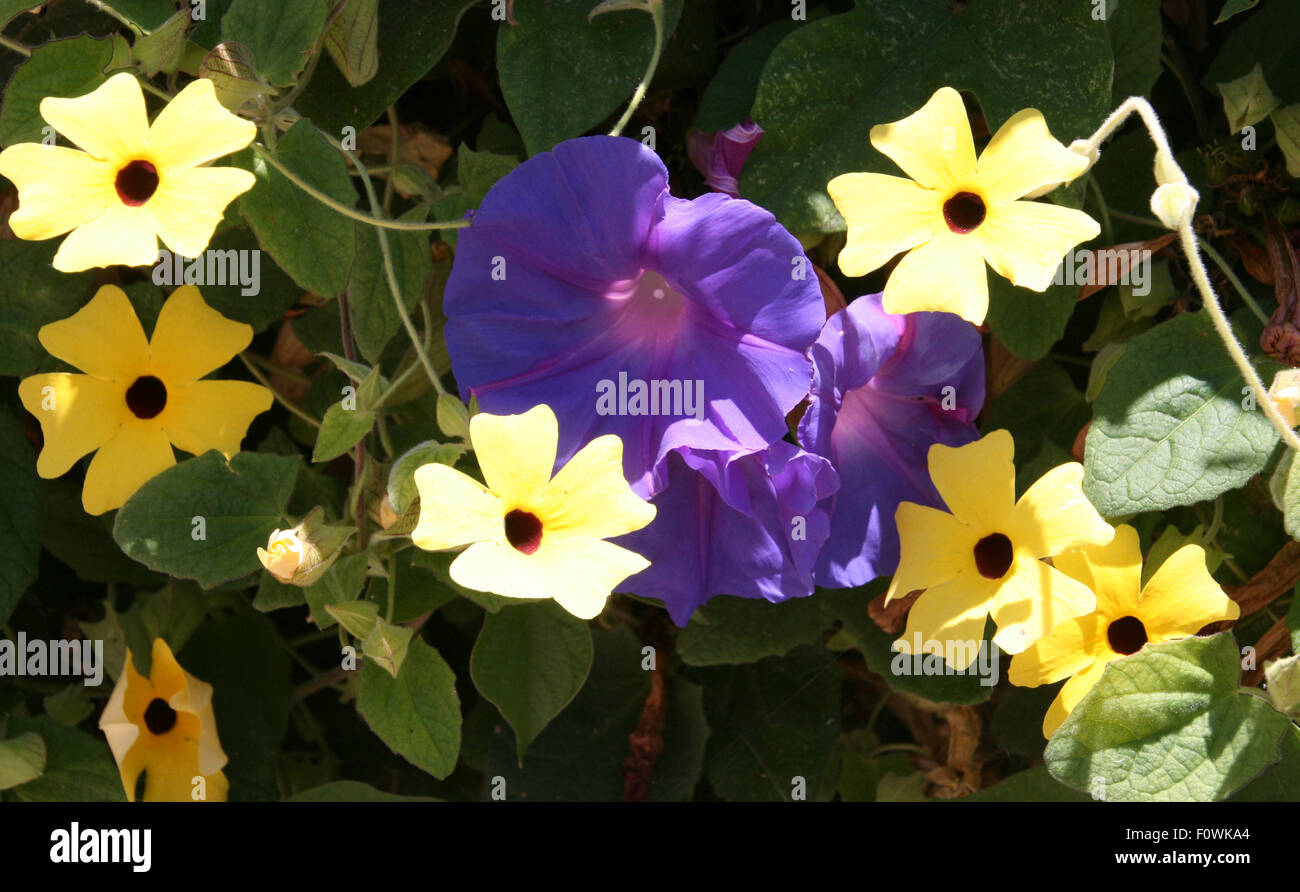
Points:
x=387 y=516
x=1285 y=394
x=282 y=555
x=301 y=555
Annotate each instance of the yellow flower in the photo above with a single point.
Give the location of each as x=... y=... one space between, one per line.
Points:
x=984 y=557
x=957 y=213
x=1179 y=600
x=133 y=183
x=163 y=725
x=138 y=397
x=282 y=555
x=531 y=536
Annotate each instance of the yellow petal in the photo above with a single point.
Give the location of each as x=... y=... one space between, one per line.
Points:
x=492 y=565
x=516 y=452
x=121 y=234
x=1023 y=156
x=932 y=145
x=190 y=339
x=1054 y=516
x=109 y=123
x=165 y=674
x=83 y=414
x=933 y=548
x=946 y=275
x=583 y=572
x=1113 y=571
x=1025 y=241
x=1033 y=600
x=212 y=414
x=190 y=203
x=1182 y=597
x=977 y=481
x=195 y=128
x=1071 y=693
x=59 y=188
x=885 y=216
x=455 y=509
x=139 y=452
x=103 y=338
x=590 y=497
x=1067 y=649
x=953 y=611
x=170 y=760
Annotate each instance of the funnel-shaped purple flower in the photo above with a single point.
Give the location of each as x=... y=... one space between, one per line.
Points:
x=584 y=285
x=886 y=388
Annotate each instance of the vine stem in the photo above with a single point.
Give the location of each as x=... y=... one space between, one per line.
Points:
x=279 y=398
x=1191 y=249
x=656 y=10
x=393 y=287
x=14 y=45
x=336 y=205
x=1234 y=279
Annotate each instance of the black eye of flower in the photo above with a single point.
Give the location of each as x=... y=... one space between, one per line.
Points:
x=964 y=212
x=1126 y=635
x=523 y=531
x=136 y=183
x=146 y=397
x=993 y=556
x=159 y=718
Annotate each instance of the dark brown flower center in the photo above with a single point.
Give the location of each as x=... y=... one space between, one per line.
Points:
x=136 y=183
x=964 y=212
x=523 y=531
x=159 y=718
x=146 y=397
x=1126 y=635
x=993 y=556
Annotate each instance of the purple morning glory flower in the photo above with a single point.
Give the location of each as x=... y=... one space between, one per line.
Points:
x=721 y=156
x=584 y=285
x=886 y=388
x=748 y=524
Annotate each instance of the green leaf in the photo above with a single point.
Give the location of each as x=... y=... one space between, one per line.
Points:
x=352 y=791
x=773 y=722
x=272 y=594
x=412 y=38
x=11 y=9
x=479 y=171
x=1034 y=785
x=21 y=513
x=358 y=617
x=78 y=768
x=730 y=95
x=1283 y=682
x=1271 y=37
x=148 y=14
x=1170 y=428
x=1018 y=720
x=22 y=759
x=1044 y=405
x=1233 y=7
x=240 y=503
x=1247 y=100
x=418 y=713
x=69 y=706
x=1286 y=123
x=531 y=660
x=829 y=82
x=161 y=49
x=1136 y=39
x=401 y=479
x=230 y=68
x=1168 y=724
x=280 y=35
x=340 y=430
x=876 y=645
x=352 y=41
x=387 y=645
x=172 y=613
x=86 y=543
x=33 y=294
x=561 y=74
x=341 y=584
x=1281 y=781
x=416 y=590
x=243 y=657
x=271 y=291
x=374 y=316
x=743 y=630
x=312 y=243
x=62 y=68
x=1028 y=322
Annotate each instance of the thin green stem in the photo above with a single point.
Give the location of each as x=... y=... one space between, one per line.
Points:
x=394 y=288
x=15 y=46
x=1216 y=522
x=1107 y=233
x=279 y=398
x=394 y=147
x=110 y=11
x=277 y=368
x=336 y=205
x=1233 y=278
x=392 y=590
x=656 y=10
x=899 y=748
x=1134 y=218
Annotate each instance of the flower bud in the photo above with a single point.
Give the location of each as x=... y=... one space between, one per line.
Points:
x=721 y=156
x=387 y=516
x=1174 y=200
x=1285 y=394
x=301 y=555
